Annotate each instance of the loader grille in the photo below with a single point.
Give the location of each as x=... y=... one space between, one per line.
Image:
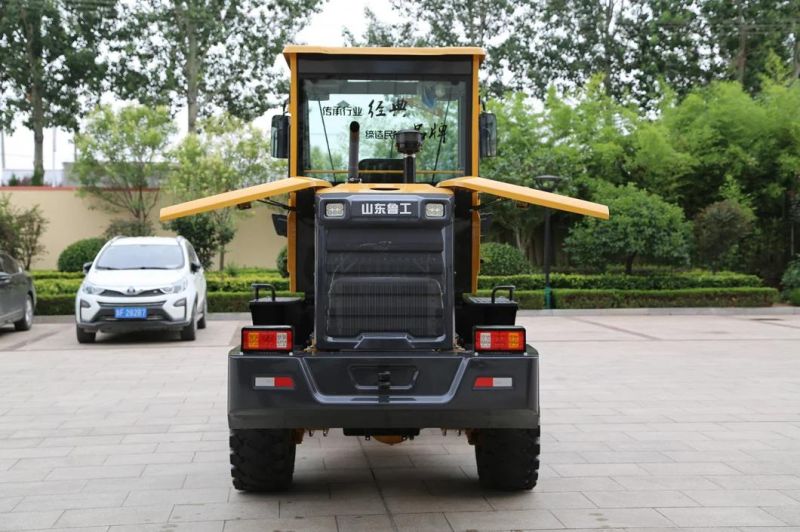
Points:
x=383 y=280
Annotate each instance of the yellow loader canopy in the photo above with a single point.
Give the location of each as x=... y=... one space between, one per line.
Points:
x=236 y=197
x=528 y=195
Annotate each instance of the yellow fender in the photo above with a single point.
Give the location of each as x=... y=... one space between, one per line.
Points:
x=528 y=195
x=237 y=197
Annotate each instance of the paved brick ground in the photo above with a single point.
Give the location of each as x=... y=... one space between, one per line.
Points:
x=650 y=423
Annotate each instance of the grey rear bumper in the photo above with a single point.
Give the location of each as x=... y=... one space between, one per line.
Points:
x=338 y=390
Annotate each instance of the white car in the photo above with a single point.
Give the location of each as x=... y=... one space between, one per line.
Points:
x=142 y=283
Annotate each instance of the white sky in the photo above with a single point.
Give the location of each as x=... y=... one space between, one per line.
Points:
x=325 y=28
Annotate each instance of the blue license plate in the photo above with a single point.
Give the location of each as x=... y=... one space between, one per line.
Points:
x=130 y=313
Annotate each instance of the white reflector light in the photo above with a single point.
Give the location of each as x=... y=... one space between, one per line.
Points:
x=434 y=210
x=334 y=210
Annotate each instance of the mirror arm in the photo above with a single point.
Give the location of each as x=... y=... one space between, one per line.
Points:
x=277 y=204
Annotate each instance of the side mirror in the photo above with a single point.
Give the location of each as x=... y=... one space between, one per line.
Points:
x=195 y=267
x=487 y=125
x=281 y=224
x=86 y=267
x=280 y=136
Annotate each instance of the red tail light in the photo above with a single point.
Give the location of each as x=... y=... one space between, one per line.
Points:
x=274 y=382
x=266 y=339
x=507 y=339
x=493 y=382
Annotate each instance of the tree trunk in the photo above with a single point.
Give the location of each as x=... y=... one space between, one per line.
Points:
x=221 y=265
x=741 y=56
x=796 y=55
x=192 y=75
x=629 y=264
x=32 y=22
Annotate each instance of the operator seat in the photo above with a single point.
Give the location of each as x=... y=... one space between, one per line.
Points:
x=392 y=167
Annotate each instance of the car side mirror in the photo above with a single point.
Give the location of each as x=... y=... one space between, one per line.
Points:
x=487 y=125
x=195 y=267
x=280 y=136
x=86 y=267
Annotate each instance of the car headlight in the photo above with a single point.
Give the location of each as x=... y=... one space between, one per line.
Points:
x=176 y=288
x=91 y=289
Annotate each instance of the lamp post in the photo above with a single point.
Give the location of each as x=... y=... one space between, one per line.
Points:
x=547 y=183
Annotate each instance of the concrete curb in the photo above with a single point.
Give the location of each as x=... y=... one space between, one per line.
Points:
x=694 y=311
x=683 y=311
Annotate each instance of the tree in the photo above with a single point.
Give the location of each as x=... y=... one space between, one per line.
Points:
x=226 y=154
x=205 y=54
x=642 y=225
x=121 y=161
x=447 y=23
x=201 y=231
x=21 y=231
x=718 y=230
x=51 y=64
x=746 y=32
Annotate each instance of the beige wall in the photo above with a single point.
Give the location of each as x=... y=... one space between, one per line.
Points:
x=72 y=218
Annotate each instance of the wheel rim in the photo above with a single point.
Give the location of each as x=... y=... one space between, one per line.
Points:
x=28 y=312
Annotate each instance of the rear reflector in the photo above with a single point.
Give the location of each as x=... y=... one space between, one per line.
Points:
x=508 y=339
x=266 y=339
x=274 y=382
x=493 y=382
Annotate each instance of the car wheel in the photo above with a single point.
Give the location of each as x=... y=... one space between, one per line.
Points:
x=201 y=323
x=84 y=336
x=262 y=459
x=27 y=319
x=189 y=332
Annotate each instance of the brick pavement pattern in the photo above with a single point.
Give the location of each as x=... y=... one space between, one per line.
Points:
x=650 y=423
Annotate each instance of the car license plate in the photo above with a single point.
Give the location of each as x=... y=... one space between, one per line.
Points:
x=130 y=313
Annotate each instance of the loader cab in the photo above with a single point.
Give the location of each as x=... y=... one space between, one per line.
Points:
x=380 y=92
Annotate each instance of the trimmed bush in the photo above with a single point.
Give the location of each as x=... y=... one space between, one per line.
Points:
x=502 y=259
x=282 y=262
x=55 y=304
x=700 y=279
x=693 y=297
x=794 y=297
x=55 y=274
x=76 y=254
x=791 y=277
x=242 y=283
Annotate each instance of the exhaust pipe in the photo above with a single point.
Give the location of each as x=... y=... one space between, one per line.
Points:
x=352 y=166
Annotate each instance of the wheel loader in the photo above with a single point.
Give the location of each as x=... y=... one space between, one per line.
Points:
x=385 y=335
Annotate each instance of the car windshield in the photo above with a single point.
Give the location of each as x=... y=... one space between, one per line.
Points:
x=141 y=257
x=437 y=109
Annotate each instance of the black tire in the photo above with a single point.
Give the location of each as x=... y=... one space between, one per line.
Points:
x=85 y=337
x=26 y=322
x=189 y=332
x=201 y=323
x=508 y=459
x=262 y=459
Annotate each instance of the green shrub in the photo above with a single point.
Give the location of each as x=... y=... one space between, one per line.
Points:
x=76 y=254
x=791 y=276
x=57 y=286
x=243 y=283
x=642 y=227
x=502 y=259
x=698 y=279
x=123 y=227
x=282 y=262
x=794 y=297
x=55 y=304
x=234 y=301
x=718 y=230
x=55 y=274
x=692 y=297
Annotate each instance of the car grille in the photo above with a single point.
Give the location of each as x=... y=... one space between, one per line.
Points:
x=117 y=293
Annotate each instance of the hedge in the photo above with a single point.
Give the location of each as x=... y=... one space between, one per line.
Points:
x=794 y=297
x=50 y=304
x=692 y=297
x=675 y=281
